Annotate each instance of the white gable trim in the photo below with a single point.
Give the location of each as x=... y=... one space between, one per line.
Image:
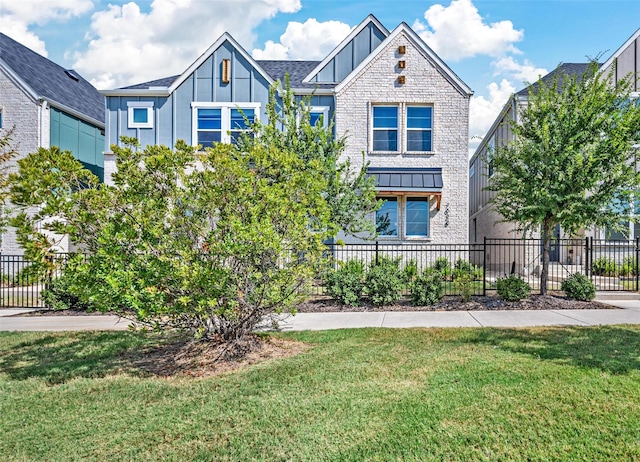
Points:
x=355 y=31
x=198 y=62
x=17 y=80
x=620 y=50
x=422 y=47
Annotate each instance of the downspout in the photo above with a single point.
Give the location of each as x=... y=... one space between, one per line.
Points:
x=43 y=110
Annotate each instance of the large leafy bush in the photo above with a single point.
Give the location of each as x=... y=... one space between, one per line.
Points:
x=346 y=283
x=384 y=282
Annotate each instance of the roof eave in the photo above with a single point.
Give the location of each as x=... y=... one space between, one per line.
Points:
x=137 y=92
x=73 y=112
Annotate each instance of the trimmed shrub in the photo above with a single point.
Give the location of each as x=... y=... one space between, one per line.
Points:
x=384 y=282
x=346 y=283
x=410 y=271
x=579 y=287
x=604 y=266
x=427 y=289
x=442 y=266
x=463 y=284
x=513 y=288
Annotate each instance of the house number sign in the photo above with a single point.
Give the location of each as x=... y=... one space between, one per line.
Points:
x=446 y=215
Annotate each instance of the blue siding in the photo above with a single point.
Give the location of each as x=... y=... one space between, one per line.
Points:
x=173 y=115
x=351 y=55
x=84 y=140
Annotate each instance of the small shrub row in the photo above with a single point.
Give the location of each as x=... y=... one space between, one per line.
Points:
x=604 y=266
x=579 y=287
x=384 y=281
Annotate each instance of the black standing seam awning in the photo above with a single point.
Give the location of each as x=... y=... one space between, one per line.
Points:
x=406 y=181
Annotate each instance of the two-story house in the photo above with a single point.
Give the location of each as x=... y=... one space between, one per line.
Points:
x=47 y=105
x=484 y=221
x=393 y=97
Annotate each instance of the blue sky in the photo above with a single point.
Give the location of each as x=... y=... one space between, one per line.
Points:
x=493 y=45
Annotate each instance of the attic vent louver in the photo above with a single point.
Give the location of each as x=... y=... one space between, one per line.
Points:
x=72 y=74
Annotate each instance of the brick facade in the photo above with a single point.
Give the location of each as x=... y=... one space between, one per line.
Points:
x=424 y=84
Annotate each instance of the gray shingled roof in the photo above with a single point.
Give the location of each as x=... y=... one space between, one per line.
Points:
x=566 y=68
x=51 y=81
x=164 y=82
x=407 y=179
x=297 y=71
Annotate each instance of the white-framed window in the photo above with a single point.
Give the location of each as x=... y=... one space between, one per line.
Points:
x=419 y=128
x=385 y=128
x=403 y=217
x=140 y=114
x=387 y=217
x=416 y=217
x=221 y=122
x=319 y=114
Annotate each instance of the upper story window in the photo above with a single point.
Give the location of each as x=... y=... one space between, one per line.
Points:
x=402 y=128
x=385 y=128
x=222 y=122
x=140 y=114
x=419 y=125
x=319 y=115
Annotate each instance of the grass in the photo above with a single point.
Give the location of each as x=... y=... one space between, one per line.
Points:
x=370 y=394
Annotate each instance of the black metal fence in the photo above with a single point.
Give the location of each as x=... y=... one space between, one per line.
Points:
x=611 y=265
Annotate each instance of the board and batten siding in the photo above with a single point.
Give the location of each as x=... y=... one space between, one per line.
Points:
x=172 y=115
x=351 y=55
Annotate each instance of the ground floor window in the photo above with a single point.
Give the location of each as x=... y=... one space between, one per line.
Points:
x=403 y=217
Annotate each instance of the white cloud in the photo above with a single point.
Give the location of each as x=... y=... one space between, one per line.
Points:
x=458 y=31
x=17 y=15
x=483 y=111
x=525 y=72
x=308 y=40
x=127 y=45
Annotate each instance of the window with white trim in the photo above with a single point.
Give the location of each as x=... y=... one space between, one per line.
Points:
x=319 y=114
x=222 y=122
x=140 y=114
x=419 y=125
x=385 y=128
x=403 y=217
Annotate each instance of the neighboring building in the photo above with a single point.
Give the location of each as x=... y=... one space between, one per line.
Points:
x=48 y=106
x=393 y=97
x=484 y=221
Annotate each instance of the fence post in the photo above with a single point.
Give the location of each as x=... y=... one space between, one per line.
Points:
x=376 y=252
x=637 y=263
x=484 y=267
x=586 y=256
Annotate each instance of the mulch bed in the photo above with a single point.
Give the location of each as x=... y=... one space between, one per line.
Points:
x=322 y=304
x=451 y=303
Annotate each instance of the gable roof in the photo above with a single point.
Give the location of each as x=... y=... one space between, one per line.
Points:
x=371 y=19
x=44 y=79
x=217 y=44
x=621 y=50
x=422 y=47
x=571 y=69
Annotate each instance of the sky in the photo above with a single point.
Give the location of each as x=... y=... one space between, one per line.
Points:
x=495 y=46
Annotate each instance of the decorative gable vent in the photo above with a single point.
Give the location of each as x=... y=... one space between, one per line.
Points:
x=226 y=70
x=402 y=80
x=402 y=64
x=402 y=49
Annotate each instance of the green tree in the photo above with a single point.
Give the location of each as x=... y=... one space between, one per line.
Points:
x=572 y=161
x=213 y=242
x=8 y=151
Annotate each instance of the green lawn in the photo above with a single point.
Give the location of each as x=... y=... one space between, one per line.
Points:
x=371 y=394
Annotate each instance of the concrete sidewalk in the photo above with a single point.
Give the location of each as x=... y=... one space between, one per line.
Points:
x=627 y=312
